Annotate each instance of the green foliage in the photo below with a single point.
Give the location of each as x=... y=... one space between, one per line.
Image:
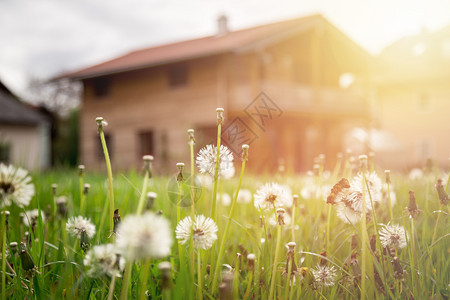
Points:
x=61 y=274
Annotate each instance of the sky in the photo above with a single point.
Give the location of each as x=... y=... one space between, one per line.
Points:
x=41 y=39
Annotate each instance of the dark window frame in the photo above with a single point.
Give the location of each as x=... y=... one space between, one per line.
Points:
x=146 y=140
x=178 y=75
x=102 y=87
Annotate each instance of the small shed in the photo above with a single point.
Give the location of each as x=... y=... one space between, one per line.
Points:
x=24 y=133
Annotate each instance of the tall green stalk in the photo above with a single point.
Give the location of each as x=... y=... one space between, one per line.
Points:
x=216 y=169
x=126 y=280
x=147 y=166
x=100 y=124
x=275 y=263
x=230 y=217
x=191 y=242
x=199 y=275
x=81 y=182
x=3 y=236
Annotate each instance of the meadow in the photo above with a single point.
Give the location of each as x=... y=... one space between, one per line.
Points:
x=351 y=232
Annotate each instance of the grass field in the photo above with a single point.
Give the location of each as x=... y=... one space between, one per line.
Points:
x=250 y=259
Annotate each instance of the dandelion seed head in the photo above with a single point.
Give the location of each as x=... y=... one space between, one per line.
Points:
x=15 y=186
x=104 y=260
x=393 y=236
x=272 y=195
x=324 y=275
x=373 y=182
x=203 y=229
x=76 y=226
x=206 y=161
x=244 y=196
x=30 y=218
x=145 y=236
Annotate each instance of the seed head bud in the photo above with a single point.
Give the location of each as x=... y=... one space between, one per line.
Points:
x=251 y=261
x=245 y=151
x=443 y=197
x=81 y=169
x=219 y=115
x=27 y=261
x=398 y=270
x=13 y=247
x=54 y=187
x=291 y=246
x=323 y=260
x=159 y=212
x=180 y=167
x=101 y=123
x=280 y=216
x=412 y=207
x=191 y=136
x=87 y=186
x=165 y=267
x=151 y=196
x=116 y=220
x=294 y=200
x=316 y=169
x=61 y=203
x=148 y=159
x=6 y=214
x=363 y=162
x=388 y=176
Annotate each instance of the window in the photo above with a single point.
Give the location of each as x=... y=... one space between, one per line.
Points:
x=178 y=75
x=146 y=143
x=5 y=152
x=108 y=140
x=102 y=86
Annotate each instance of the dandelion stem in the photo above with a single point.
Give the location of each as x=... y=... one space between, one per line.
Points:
x=227 y=227
x=216 y=175
x=82 y=196
x=391 y=214
x=111 y=287
x=249 y=285
x=412 y=256
x=199 y=276
x=126 y=280
x=328 y=228
x=3 y=232
x=191 y=242
x=110 y=178
x=143 y=193
x=275 y=263
x=144 y=279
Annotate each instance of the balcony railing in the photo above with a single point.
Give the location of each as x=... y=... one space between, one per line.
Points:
x=302 y=99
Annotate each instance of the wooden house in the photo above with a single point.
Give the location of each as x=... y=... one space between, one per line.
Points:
x=290 y=89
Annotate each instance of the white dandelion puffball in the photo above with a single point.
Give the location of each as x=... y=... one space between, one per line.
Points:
x=15 y=186
x=225 y=199
x=204 y=231
x=373 y=182
x=349 y=206
x=393 y=236
x=76 y=226
x=30 y=218
x=272 y=195
x=244 y=196
x=104 y=260
x=145 y=236
x=324 y=275
x=415 y=174
x=206 y=161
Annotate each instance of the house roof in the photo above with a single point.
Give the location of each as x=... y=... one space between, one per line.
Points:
x=237 y=41
x=13 y=111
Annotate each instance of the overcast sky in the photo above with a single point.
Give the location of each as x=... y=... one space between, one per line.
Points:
x=46 y=37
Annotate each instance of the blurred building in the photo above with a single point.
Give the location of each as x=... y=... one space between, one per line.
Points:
x=413 y=91
x=289 y=89
x=24 y=133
